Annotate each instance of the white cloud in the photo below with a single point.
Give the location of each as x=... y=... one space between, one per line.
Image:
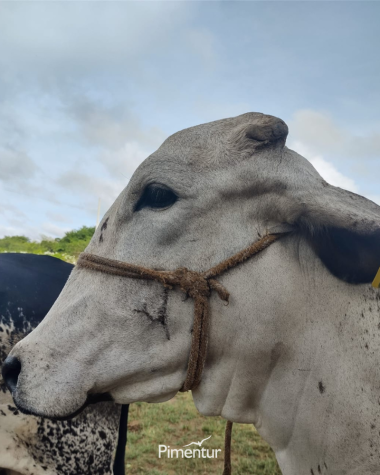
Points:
x=325 y=168
x=203 y=44
x=123 y=162
x=84 y=34
x=91 y=188
x=323 y=136
x=332 y=175
x=15 y=165
x=57 y=217
x=33 y=232
x=52 y=230
x=344 y=158
x=7 y=230
x=111 y=127
x=317 y=130
x=9 y=209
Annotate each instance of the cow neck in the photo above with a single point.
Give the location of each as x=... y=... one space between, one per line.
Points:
x=197 y=285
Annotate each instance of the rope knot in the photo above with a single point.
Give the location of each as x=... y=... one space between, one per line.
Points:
x=192 y=283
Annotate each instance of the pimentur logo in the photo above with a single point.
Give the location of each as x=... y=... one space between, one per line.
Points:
x=189 y=453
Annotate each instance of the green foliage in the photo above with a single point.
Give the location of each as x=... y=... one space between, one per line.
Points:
x=67 y=248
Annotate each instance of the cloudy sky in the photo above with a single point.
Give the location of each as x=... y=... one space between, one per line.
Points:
x=88 y=90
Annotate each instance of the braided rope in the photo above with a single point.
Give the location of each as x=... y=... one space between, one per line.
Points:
x=198 y=286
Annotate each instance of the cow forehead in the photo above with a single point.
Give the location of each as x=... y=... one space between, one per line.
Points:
x=213 y=145
x=206 y=134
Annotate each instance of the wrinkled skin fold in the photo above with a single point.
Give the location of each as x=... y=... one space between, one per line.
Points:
x=295 y=352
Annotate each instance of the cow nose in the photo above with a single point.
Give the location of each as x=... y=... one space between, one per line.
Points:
x=10 y=372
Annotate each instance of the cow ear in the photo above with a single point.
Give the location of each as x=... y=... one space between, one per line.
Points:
x=344 y=230
x=258 y=131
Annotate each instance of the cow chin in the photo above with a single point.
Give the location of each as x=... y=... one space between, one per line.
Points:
x=24 y=407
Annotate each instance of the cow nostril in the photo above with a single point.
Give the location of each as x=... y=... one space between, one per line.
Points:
x=10 y=372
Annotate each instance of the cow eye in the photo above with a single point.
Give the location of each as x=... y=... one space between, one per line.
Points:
x=156 y=196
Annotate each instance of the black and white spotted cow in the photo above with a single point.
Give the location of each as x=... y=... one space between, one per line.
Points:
x=84 y=445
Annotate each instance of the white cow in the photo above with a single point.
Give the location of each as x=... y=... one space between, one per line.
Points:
x=296 y=352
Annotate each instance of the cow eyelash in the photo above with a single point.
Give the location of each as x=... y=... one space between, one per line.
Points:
x=156 y=197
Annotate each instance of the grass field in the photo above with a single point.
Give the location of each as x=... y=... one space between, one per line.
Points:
x=176 y=423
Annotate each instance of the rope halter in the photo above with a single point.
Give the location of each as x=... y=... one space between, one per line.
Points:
x=198 y=286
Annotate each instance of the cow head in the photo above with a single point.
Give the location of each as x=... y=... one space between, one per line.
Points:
x=205 y=194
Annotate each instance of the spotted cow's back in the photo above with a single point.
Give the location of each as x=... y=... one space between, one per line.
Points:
x=29 y=445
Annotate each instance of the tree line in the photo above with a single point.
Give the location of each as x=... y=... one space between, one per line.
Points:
x=67 y=248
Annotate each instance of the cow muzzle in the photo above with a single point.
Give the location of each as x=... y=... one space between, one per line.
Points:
x=10 y=372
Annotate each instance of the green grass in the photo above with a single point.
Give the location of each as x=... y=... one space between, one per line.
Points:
x=177 y=423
